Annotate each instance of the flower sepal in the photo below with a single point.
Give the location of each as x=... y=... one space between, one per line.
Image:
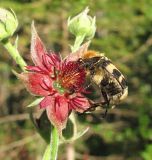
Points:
x=35 y=102
x=8 y=23
x=82 y=25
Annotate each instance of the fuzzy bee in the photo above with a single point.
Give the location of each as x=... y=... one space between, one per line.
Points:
x=110 y=81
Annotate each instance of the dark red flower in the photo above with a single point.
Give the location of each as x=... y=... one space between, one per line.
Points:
x=59 y=81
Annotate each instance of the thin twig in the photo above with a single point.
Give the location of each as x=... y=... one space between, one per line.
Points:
x=120 y=112
x=25 y=116
x=70 y=152
x=18 y=143
x=91 y=157
x=124 y=112
x=17 y=117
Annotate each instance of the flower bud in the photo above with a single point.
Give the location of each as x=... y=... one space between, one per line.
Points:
x=82 y=25
x=8 y=23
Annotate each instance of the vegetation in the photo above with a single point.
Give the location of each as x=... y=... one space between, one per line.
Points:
x=124 y=34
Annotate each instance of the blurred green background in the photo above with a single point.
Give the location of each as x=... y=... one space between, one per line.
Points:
x=124 y=33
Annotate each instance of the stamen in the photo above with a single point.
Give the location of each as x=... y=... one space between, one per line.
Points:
x=72 y=76
x=76 y=104
x=49 y=56
x=46 y=87
x=44 y=62
x=78 y=100
x=53 y=60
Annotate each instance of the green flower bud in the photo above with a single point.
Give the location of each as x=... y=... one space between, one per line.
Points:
x=82 y=25
x=8 y=23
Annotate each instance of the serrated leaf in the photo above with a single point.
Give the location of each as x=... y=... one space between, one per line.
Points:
x=35 y=102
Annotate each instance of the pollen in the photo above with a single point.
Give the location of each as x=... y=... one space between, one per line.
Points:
x=72 y=76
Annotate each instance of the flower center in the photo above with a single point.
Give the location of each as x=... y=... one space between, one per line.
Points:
x=72 y=76
x=58 y=87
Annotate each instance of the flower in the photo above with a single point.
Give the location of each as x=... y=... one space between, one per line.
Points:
x=59 y=81
x=8 y=23
x=82 y=25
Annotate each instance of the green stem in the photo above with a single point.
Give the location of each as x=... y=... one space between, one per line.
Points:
x=78 y=41
x=14 y=54
x=46 y=155
x=54 y=143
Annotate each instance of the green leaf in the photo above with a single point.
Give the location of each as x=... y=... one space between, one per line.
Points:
x=35 y=102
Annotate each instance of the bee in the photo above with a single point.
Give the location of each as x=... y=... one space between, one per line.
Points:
x=104 y=74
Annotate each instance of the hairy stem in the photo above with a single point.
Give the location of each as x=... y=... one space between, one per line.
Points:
x=78 y=41
x=54 y=143
x=14 y=54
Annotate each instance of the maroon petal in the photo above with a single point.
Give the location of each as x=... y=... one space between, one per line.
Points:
x=58 y=111
x=79 y=103
x=54 y=60
x=79 y=53
x=33 y=68
x=36 y=83
x=37 y=48
x=46 y=102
